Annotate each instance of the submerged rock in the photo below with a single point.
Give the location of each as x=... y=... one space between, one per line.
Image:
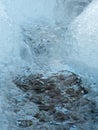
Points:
x=59 y=99
x=24 y=123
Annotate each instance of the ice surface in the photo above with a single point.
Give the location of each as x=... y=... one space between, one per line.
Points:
x=13 y=51
x=68 y=10
x=84 y=31
x=15 y=55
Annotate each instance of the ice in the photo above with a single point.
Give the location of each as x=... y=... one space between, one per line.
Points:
x=68 y=10
x=70 y=29
x=29 y=11
x=13 y=15
x=84 y=31
x=14 y=53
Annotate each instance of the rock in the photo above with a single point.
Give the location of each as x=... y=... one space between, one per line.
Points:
x=24 y=123
x=60 y=116
x=58 y=101
x=46 y=107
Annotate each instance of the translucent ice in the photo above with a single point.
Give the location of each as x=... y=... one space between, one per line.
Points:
x=84 y=31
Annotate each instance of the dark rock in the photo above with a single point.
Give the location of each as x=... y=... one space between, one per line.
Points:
x=59 y=116
x=60 y=100
x=24 y=123
x=46 y=107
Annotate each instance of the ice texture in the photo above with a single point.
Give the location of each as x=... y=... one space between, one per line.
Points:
x=45 y=35
x=84 y=31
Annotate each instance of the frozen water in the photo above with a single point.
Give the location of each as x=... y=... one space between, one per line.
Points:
x=68 y=10
x=84 y=31
x=64 y=33
x=14 y=54
x=19 y=54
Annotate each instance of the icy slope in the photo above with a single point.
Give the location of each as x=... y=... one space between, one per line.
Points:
x=27 y=12
x=67 y=10
x=23 y=10
x=84 y=32
x=13 y=15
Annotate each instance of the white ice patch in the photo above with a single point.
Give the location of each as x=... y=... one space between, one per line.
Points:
x=84 y=31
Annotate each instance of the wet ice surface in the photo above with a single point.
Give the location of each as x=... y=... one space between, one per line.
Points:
x=44 y=38
x=53 y=101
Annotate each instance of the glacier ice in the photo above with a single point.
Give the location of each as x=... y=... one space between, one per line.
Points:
x=84 y=31
x=68 y=10
x=72 y=26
